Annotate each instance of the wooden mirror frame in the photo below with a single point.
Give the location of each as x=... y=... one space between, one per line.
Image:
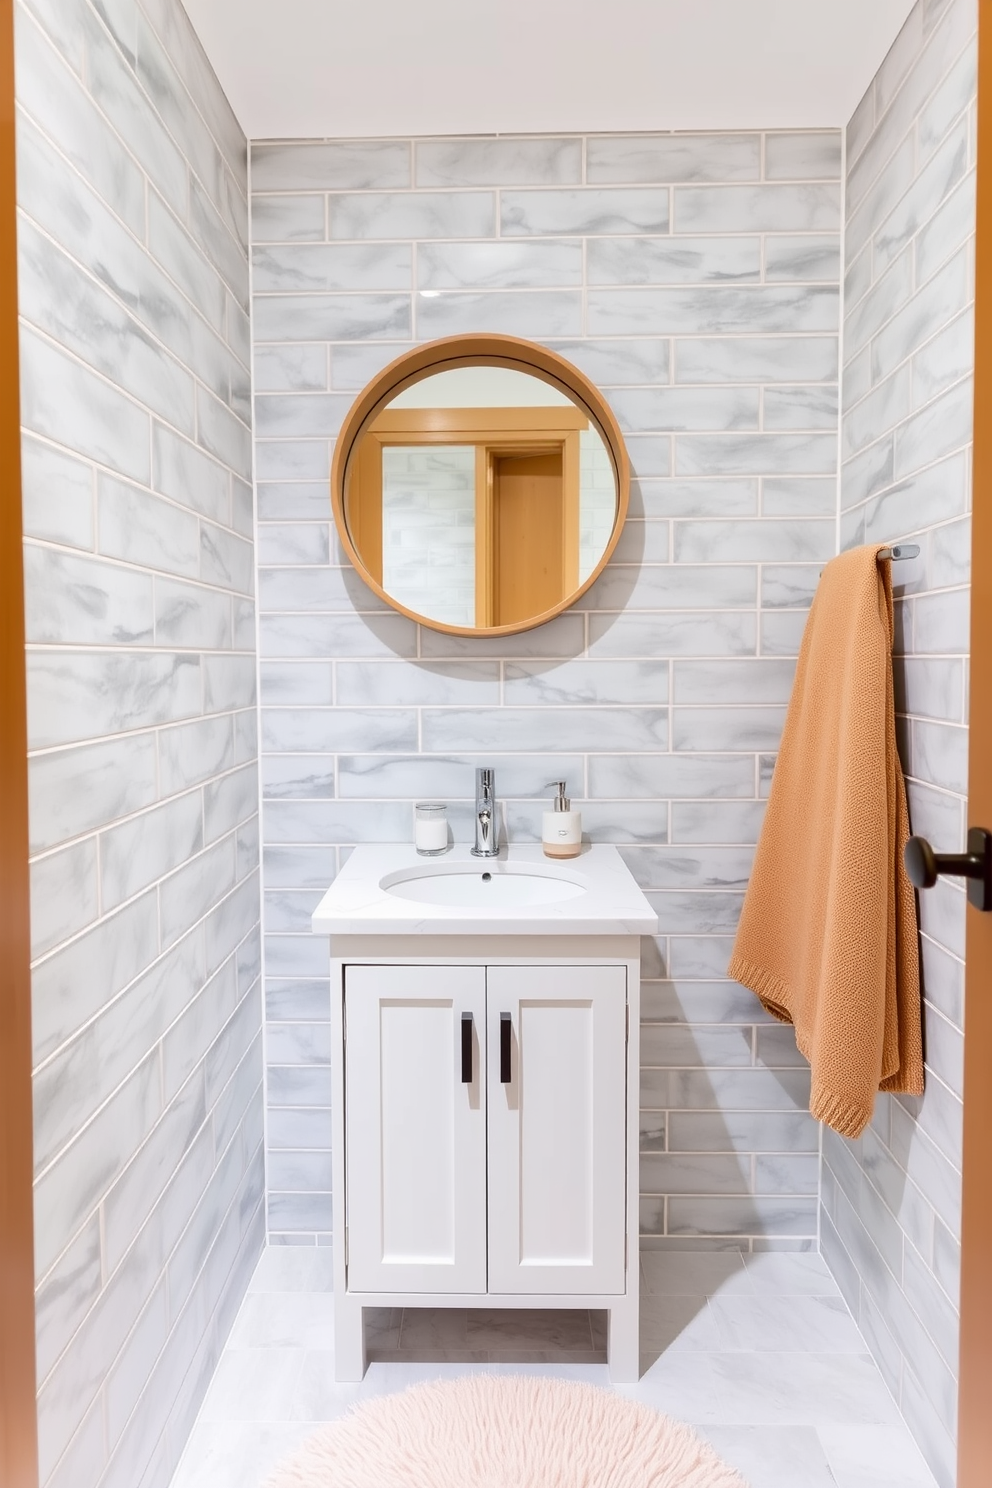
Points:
x=446 y=355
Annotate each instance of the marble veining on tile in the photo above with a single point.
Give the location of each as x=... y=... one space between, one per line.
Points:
x=775 y=1407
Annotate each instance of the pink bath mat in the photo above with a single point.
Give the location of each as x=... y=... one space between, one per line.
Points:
x=504 y=1431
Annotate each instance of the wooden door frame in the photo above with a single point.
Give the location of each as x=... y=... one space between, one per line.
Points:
x=18 y=1409
x=975 y=1390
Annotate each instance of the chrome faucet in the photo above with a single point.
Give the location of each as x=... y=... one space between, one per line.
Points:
x=486 y=822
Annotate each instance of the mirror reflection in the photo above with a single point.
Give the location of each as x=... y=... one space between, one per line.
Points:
x=481 y=496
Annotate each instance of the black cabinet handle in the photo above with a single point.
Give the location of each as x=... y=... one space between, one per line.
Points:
x=924 y=866
x=466 y=1048
x=505 y=1031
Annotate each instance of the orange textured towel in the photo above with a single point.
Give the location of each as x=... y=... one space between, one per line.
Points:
x=828 y=934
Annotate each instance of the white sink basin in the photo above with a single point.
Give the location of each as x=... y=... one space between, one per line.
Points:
x=481 y=885
x=386 y=889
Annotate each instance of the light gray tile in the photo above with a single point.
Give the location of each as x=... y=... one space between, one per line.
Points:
x=319 y=730
x=331 y=317
x=757 y=454
x=78 y=600
x=724 y=496
x=310 y=682
x=308 y=777
x=72 y=791
x=810 y=257
x=756 y=359
x=538 y=313
x=62 y=400
x=690 y=866
x=452 y=777
x=874 y=1457
x=948 y=357
x=57 y=495
x=321 y=269
x=727 y=682
x=138 y=852
x=76 y=696
x=714 y=310
x=743 y=1131
x=877 y=310
x=287 y=219
x=397 y=684
x=933 y=185
x=943 y=426
x=800 y=208
x=947 y=230
x=575 y=682
x=498 y=162
x=769 y=1324
x=500 y=265
x=735 y=1216
x=800 y=408
x=673 y=410
x=616 y=363
x=653 y=776
x=809 y=156
x=586 y=212
x=739 y=728
x=645 y=158
x=562 y=637
x=799 y=497
x=64 y=895
x=192 y=752
x=535 y=729
x=668 y=587
x=191 y=615
x=140 y=528
x=188 y=475
x=798 y=541
x=299 y=637
x=330 y=165
x=908 y=325
x=178 y=254
x=673 y=260
x=59 y=105
x=195 y=888
x=421 y=214
x=724 y=633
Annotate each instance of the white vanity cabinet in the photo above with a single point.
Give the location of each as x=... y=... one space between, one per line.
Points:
x=485 y=1073
x=415 y=1131
x=485 y=1128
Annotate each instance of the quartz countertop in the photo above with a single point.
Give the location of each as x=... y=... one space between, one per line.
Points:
x=609 y=901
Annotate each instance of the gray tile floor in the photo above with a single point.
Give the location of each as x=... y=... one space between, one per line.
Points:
x=759 y=1352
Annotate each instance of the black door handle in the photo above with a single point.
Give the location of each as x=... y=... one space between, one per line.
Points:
x=505 y=1031
x=924 y=866
x=466 y=1048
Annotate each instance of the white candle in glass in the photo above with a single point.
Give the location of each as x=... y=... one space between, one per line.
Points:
x=430 y=827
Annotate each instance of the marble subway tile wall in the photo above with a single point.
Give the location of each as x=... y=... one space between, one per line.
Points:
x=891 y=1201
x=695 y=279
x=132 y=187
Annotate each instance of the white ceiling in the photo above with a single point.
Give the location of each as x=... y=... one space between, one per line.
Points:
x=320 y=68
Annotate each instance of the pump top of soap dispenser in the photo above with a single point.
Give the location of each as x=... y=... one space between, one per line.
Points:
x=561 y=800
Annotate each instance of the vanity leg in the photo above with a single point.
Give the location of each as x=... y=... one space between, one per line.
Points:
x=623 y=1342
x=349 y=1339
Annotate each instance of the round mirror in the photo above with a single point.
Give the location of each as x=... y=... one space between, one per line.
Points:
x=480 y=484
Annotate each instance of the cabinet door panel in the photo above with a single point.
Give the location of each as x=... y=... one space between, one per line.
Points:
x=415 y=1133
x=557 y=1130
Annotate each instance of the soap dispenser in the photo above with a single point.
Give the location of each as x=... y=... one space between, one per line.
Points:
x=561 y=829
